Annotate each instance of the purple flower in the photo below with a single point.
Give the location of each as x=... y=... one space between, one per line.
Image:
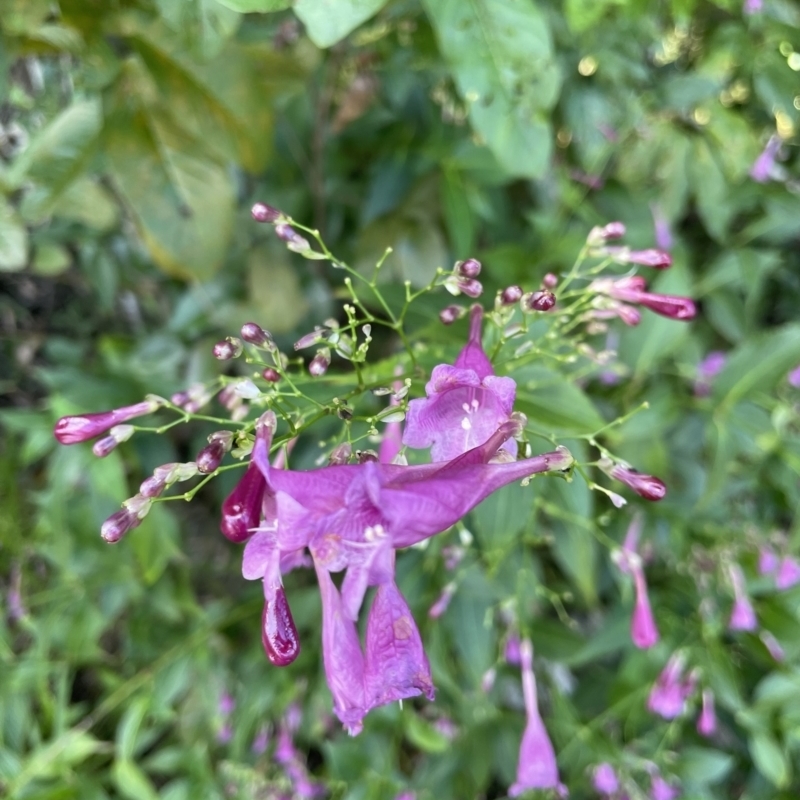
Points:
x=537 y=768
x=647 y=486
x=663 y=234
x=752 y=6
x=767 y=561
x=634 y=290
x=743 y=615
x=668 y=695
x=261 y=742
x=511 y=652
x=707 y=721
x=761 y=170
x=708 y=369
x=651 y=257
x=644 y=632
x=442 y=602
x=604 y=779
x=788 y=573
x=72 y=430
x=794 y=377
x=465 y=403
x=661 y=790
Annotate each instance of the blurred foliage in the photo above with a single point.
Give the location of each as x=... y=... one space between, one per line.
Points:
x=135 y=134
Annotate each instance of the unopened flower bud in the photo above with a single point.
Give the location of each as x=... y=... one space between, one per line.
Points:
x=271 y=375
x=119 y=433
x=539 y=301
x=261 y=212
x=292 y=238
x=707 y=721
x=340 y=454
x=550 y=280
x=255 y=334
x=628 y=314
x=72 y=430
x=510 y=295
x=117 y=525
x=450 y=314
x=647 y=486
x=246 y=389
x=210 y=457
x=228 y=348
x=614 y=230
x=604 y=779
x=488 y=679
x=773 y=645
x=366 y=455
x=315 y=337
x=470 y=268
x=470 y=287
x=179 y=399
x=320 y=363
x=278 y=631
x=344 y=413
x=440 y=606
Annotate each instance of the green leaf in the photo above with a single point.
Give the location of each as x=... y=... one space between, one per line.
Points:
x=58 y=155
x=329 y=21
x=584 y=14
x=88 y=202
x=131 y=782
x=423 y=735
x=154 y=543
x=13 y=239
x=770 y=760
x=263 y=6
x=51 y=259
x=128 y=728
x=182 y=202
x=501 y=55
x=553 y=404
x=703 y=765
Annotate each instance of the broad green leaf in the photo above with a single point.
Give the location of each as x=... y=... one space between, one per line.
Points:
x=263 y=6
x=51 y=259
x=13 y=239
x=702 y=765
x=499 y=519
x=711 y=190
x=182 y=202
x=57 y=156
x=583 y=14
x=501 y=55
x=553 y=404
x=128 y=728
x=423 y=735
x=329 y=21
x=131 y=782
x=155 y=543
x=87 y=201
x=770 y=759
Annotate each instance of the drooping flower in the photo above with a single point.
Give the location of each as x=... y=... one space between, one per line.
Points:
x=743 y=615
x=644 y=632
x=707 y=721
x=465 y=402
x=788 y=573
x=73 y=430
x=537 y=767
x=604 y=779
x=668 y=695
x=634 y=290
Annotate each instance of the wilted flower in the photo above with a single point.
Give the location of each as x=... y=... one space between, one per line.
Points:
x=72 y=430
x=604 y=779
x=707 y=721
x=743 y=616
x=465 y=403
x=537 y=768
x=668 y=695
x=293 y=239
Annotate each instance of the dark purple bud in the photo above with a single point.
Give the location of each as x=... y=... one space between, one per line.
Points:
x=366 y=455
x=511 y=295
x=614 y=230
x=450 y=314
x=647 y=486
x=271 y=375
x=153 y=486
x=320 y=363
x=102 y=447
x=228 y=348
x=210 y=457
x=72 y=430
x=470 y=287
x=550 y=280
x=255 y=334
x=179 y=398
x=118 y=524
x=344 y=413
x=470 y=268
x=666 y=305
x=540 y=301
x=261 y=212
x=292 y=238
x=242 y=508
x=278 y=632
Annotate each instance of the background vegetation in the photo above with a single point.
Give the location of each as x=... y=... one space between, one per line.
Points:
x=135 y=135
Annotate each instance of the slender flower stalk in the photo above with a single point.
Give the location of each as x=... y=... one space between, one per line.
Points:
x=537 y=768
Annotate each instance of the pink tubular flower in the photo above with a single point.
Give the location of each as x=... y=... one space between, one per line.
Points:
x=761 y=171
x=537 y=768
x=72 y=430
x=604 y=779
x=644 y=632
x=743 y=615
x=645 y=258
x=663 y=234
x=668 y=695
x=788 y=573
x=707 y=721
x=661 y=790
x=647 y=486
x=634 y=290
x=768 y=561
x=443 y=601
x=465 y=403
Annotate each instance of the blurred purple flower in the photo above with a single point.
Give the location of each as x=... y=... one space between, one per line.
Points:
x=644 y=632
x=442 y=602
x=668 y=695
x=794 y=377
x=788 y=573
x=604 y=779
x=752 y=6
x=767 y=561
x=226 y=705
x=661 y=790
x=406 y=796
x=511 y=652
x=537 y=768
x=743 y=615
x=634 y=290
x=762 y=168
x=707 y=370
x=465 y=402
x=663 y=234
x=261 y=742
x=225 y=733
x=707 y=721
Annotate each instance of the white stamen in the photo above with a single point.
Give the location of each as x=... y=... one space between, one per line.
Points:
x=466 y=424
